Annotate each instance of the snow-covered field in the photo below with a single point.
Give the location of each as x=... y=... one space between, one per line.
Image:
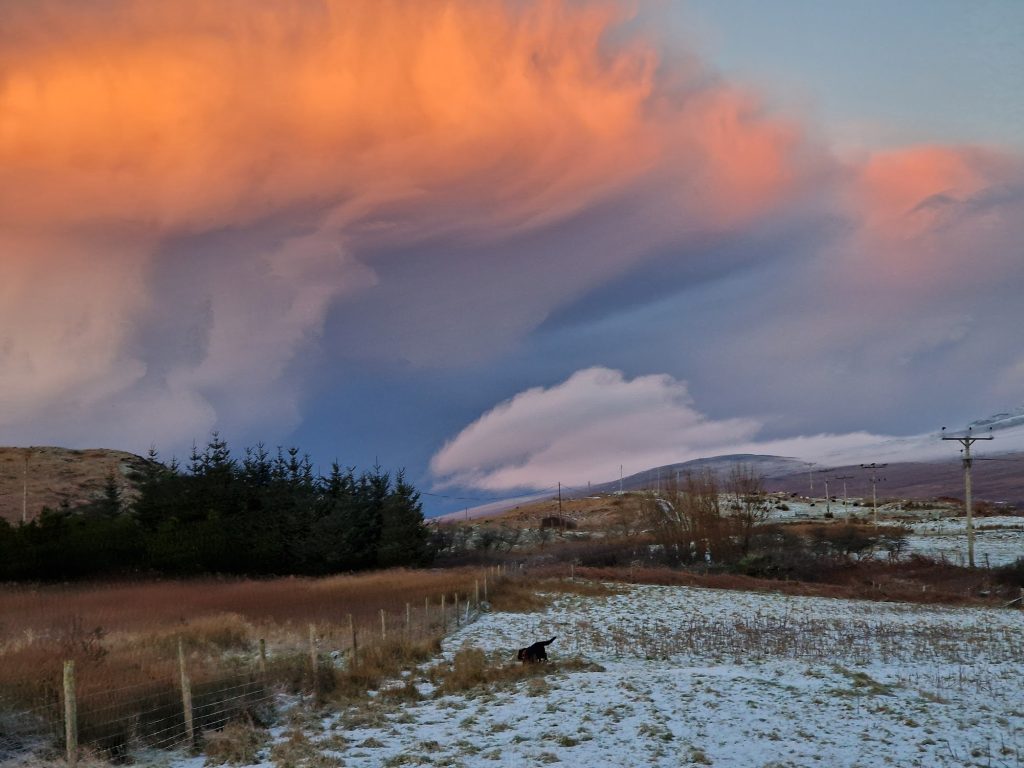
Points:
x=683 y=676
x=933 y=533
x=997 y=540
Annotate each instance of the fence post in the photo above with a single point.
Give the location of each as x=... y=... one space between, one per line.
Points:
x=383 y=626
x=186 y=696
x=485 y=588
x=70 y=713
x=426 y=615
x=457 y=617
x=263 y=659
x=476 y=592
x=408 y=620
x=313 y=659
x=444 y=616
x=355 y=645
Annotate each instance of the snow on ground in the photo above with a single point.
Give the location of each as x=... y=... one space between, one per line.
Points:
x=688 y=676
x=998 y=541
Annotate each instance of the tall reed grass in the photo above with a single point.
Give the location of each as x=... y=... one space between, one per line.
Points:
x=124 y=638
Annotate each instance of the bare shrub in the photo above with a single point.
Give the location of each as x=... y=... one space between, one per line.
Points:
x=1012 y=574
x=687 y=521
x=749 y=504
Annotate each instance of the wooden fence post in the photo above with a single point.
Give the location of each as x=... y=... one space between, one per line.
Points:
x=313 y=661
x=70 y=713
x=263 y=659
x=444 y=616
x=186 y=696
x=408 y=620
x=476 y=592
x=383 y=626
x=426 y=615
x=457 y=617
x=355 y=644
x=485 y=588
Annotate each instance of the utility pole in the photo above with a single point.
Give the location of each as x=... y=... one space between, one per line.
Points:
x=844 y=478
x=874 y=496
x=967 y=441
x=24 y=489
x=828 y=501
x=561 y=520
x=810 y=477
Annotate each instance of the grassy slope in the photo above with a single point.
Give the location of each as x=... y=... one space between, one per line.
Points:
x=58 y=474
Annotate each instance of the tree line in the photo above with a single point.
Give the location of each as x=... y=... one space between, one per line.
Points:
x=260 y=514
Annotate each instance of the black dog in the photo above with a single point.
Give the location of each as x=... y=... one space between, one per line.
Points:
x=534 y=653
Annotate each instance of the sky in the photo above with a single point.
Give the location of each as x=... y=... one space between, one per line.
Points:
x=509 y=244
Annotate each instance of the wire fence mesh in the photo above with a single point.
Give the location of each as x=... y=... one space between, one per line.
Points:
x=116 y=720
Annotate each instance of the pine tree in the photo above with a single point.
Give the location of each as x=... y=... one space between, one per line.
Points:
x=404 y=537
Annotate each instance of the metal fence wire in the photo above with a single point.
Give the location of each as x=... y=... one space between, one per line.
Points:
x=114 y=725
x=52 y=718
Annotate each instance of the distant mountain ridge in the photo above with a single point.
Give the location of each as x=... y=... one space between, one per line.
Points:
x=917 y=467
x=720 y=466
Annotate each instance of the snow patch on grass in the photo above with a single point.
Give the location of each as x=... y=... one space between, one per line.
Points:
x=686 y=676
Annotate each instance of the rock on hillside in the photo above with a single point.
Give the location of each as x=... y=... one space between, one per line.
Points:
x=38 y=477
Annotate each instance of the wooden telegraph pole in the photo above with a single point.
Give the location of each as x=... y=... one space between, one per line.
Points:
x=846 y=509
x=967 y=441
x=874 y=482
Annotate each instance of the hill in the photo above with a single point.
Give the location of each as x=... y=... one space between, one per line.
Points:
x=44 y=476
x=765 y=466
x=998 y=478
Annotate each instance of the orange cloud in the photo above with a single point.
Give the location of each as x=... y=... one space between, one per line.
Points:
x=190 y=114
x=380 y=121
x=893 y=186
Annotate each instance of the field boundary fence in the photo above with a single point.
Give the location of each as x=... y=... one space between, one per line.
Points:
x=66 y=717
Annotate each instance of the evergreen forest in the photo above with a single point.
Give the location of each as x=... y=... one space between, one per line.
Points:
x=260 y=514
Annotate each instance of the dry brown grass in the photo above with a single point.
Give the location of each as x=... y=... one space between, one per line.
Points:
x=383 y=660
x=124 y=640
x=473 y=668
x=591 y=513
x=524 y=596
x=914 y=581
x=237 y=743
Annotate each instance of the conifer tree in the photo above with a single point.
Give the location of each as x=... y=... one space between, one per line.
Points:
x=403 y=538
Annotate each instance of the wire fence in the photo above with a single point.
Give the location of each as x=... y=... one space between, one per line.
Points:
x=187 y=696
